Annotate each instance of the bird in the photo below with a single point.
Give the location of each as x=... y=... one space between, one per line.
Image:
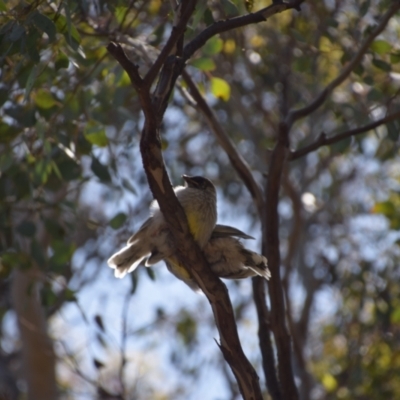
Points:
x=229 y=259
x=153 y=241
x=226 y=255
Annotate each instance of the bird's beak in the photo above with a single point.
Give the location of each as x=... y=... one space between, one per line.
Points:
x=189 y=180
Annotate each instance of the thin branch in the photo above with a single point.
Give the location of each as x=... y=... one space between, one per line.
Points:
x=237 y=161
x=176 y=34
x=294 y=115
x=324 y=141
x=237 y=22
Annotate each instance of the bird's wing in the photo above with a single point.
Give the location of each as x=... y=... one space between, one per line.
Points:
x=221 y=231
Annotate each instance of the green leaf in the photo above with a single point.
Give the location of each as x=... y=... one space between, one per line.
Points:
x=127 y=185
x=204 y=64
x=374 y=95
x=395 y=58
x=26 y=228
x=229 y=8
x=249 y=4
x=393 y=129
x=364 y=7
x=61 y=62
x=44 y=99
x=70 y=295
x=381 y=47
x=38 y=254
x=298 y=36
x=386 y=208
x=16 y=32
x=120 y=13
x=198 y=14
x=55 y=229
x=68 y=168
x=95 y=134
x=213 y=46
x=117 y=221
x=341 y=146
x=62 y=254
x=100 y=170
x=8 y=133
x=30 y=82
x=45 y=24
x=220 y=88
x=208 y=17
x=384 y=66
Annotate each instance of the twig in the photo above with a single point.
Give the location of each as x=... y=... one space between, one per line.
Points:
x=294 y=115
x=324 y=141
x=237 y=22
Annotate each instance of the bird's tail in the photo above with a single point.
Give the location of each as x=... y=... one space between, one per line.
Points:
x=257 y=263
x=127 y=259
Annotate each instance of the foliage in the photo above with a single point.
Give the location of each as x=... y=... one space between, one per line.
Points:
x=72 y=186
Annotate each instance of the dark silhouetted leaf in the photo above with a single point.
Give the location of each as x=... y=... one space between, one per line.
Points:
x=117 y=221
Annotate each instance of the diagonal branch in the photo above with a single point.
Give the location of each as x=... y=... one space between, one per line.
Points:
x=324 y=141
x=131 y=69
x=237 y=22
x=176 y=34
x=237 y=161
x=294 y=115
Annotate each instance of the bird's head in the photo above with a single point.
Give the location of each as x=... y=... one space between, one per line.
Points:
x=198 y=182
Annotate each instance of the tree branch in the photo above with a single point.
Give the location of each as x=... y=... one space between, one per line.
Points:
x=237 y=161
x=264 y=337
x=176 y=34
x=324 y=141
x=237 y=22
x=294 y=115
x=131 y=69
x=271 y=246
x=242 y=168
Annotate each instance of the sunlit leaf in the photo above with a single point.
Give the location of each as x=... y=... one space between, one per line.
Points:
x=95 y=134
x=44 y=99
x=329 y=382
x=220 y=88
x=381 y=47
